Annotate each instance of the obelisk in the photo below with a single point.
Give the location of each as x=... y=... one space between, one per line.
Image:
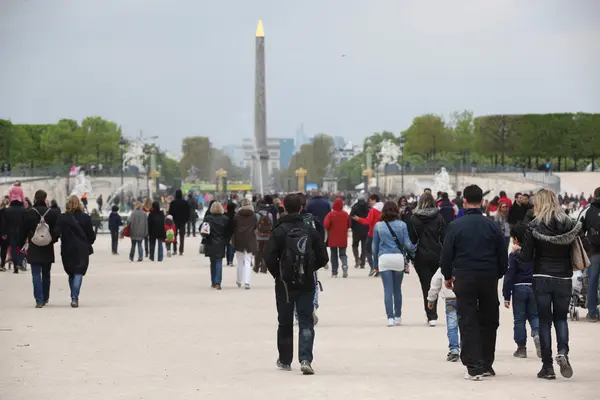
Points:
x=260 y=113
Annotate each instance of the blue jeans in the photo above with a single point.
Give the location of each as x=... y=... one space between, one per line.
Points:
x=137 y=243
x=593 y=277
x=392 y=292
x=75 y=281
x=154 y=243
x=230 y=253
x=335 y=252
x=216 y=270
x=524 y=309
x=40 y=274
x=452 y=326
x=553 y=297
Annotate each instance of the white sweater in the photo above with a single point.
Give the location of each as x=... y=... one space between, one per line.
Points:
x=437 y=285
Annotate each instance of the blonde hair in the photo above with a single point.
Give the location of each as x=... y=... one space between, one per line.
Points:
x=216 y=208
x=148 y=204
x=138 y=205
x=547 y=207
x=73 y=204
x=245 y=202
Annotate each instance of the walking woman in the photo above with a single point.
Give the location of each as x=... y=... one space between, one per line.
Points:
x=3 y=238
x=77 y=238
x=230 y=213
x=428 y=228
x=147 y=208
x=501 y=219
x=156 y=231
x=215 y=242
x=391 y=243
x=244 y=241
x=547 y=242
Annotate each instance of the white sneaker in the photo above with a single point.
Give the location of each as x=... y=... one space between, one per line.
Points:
x=397 y=321
x=473 y=377
x=390 y=322
x=432 y=323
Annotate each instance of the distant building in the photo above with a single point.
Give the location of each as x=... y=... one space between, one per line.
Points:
x=236 y=154
x=274 y=148
x=339 y=142
x=301 y=138
x=346 y=152
x=286 y=152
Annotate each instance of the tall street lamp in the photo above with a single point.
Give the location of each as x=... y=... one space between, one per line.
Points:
x=402 y=144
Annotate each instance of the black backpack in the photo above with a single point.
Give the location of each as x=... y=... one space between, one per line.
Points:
x=592 y=224
x=297 y=256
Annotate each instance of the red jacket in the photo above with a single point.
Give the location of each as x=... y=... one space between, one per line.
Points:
x=506 y=201
x=373 y=217
x=337 y=223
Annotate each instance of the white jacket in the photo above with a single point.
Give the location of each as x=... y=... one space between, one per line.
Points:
x=437 y=285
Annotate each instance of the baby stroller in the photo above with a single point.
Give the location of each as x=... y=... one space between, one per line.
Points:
x=579 y=294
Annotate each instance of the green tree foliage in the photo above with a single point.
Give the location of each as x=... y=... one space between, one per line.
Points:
x=349 y=173
x=428 y=135
x=196 y=153
x=316 y=157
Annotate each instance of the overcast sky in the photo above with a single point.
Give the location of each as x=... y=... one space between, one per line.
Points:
x=177 y=68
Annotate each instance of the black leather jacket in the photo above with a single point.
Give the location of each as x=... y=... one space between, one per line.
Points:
x=549 y=247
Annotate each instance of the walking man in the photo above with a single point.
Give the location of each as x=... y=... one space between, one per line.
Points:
x=179 y=209
x=360 y=232
x=295 y=251
x=474 y=258
x=590 y=220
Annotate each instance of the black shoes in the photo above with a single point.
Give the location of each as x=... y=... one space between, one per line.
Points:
x=489 y=371
x=547 y=373
x=283 y=367
x=306 y=368
x=74 y=303
x=453 y=357
x=521 y=352
x=565 y=366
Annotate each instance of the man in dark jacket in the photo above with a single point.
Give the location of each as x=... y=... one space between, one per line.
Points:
x=448 y=209
x=179 y=209
x=319 y=207
x=474 y=258
x=458 y=200
x=114 y=224
x=191 y=224
x=360 y=232
x=590 y=220
x=294 y=295
x=518 y=212
x=40 y=258
x=13 y=222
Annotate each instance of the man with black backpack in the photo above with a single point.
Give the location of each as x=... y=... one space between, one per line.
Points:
x=590 y=219
x=40 y=227
x=295 y=251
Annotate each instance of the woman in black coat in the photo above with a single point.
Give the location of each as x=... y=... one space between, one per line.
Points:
x=427 y=231
x=156 y=230
x=77 y=238
x=230 y=213
x=215 y=242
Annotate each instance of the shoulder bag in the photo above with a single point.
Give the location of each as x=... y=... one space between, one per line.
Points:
x=400 y=247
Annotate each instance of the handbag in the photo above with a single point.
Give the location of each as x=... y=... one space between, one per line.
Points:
x=205 y=229
x=399 y=245
x=125 y=232
x=202 y=249
x=579 y=257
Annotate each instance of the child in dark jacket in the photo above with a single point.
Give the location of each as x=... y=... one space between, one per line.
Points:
x=114 y=223
x=517 y=283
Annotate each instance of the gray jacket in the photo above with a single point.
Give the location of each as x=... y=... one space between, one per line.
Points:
x=138 y=225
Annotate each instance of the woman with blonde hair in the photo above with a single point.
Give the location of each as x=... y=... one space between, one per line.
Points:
x=547 y=242
x=215 y=242
x=77 y=238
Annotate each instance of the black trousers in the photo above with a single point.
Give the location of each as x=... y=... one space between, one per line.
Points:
x=369 y=251
x=359 y=241
x=3 y=251
x=181 y=230
x=478 y=320
x=302 y=301
x=114 y=241
x=425 y=271
x=191 y=228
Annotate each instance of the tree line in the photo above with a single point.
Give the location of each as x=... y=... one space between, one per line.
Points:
x=200 y=161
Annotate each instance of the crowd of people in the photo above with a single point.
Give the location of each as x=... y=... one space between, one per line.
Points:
x=459 y=248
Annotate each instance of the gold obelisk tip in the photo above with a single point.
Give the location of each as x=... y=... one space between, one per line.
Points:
x=260 y=30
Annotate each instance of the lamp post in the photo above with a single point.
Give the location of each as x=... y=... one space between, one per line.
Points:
x=402 y=144
x=122 y=144
x=221 y=174
x=301 y=174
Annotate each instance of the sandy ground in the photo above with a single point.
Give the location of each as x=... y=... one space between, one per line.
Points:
x=158 y=331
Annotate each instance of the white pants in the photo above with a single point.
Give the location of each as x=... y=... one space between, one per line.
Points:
x=244 y=266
